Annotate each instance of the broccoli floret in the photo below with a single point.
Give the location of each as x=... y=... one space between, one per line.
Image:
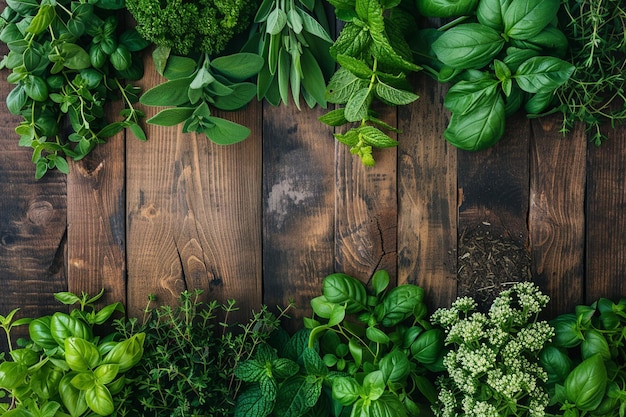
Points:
x=192 y=26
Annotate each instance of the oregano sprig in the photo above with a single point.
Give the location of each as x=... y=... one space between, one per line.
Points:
x=375 y=61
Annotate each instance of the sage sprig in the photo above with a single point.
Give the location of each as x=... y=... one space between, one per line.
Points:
x=375 y=60
x=293 y=37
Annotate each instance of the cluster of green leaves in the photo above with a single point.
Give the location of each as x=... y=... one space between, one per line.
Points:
x=500 y=57
x=594 y=95
x=379 y=345
x=192 y=85
x=585 y=361
x=285 y=378
x=66 y=368
x=187 y=27
x=293 y=37
x=493 y=367
x=69 y=60
x=191 y=351
x=375 y=60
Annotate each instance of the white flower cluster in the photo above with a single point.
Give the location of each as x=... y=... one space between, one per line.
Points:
x=493 y=369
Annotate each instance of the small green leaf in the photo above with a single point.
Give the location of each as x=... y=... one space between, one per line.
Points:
x=276 y=21
x=171 y=116
x=169 y=93
x=373 y=136
x=238 y=67
x=334 y=118
x=358 y=105
x=225 y=132
x=394 y=96
x=543 y=73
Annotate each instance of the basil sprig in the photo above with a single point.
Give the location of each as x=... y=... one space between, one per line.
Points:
x=508 y=57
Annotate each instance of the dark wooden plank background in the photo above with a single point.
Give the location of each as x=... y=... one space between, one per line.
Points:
x=265 y=220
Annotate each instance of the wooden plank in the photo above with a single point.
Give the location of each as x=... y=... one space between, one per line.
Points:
x=427 y=197
x=298 y=204
x=493 y=211
x=32 y=226
x=366 y=218
x=606 y=218
x=556 y=217
x=96 y=216
x=194 y=214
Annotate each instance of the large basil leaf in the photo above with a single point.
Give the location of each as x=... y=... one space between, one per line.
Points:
x=585 y=385
x=595 y=343
x=525 y=19
x=567 y=332
x=543 y=73
x=556 y=363
x=479 y=128
x=469 y=45
x=489 y=13
x=343 y=289
x=464 y=96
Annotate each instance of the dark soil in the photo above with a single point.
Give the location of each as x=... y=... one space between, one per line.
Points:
x=489 y=263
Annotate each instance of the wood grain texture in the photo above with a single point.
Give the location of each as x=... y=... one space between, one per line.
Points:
x=366 y=216
x=606 y=218
x=298 y=206
x=194 y=215
x=96 y=217
x=556 y=218
x=32 y=226
x=427 y=197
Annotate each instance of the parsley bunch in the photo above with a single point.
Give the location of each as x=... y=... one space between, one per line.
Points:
x=493 y=367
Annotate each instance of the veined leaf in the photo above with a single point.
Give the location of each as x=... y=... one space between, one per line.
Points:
x=525 y=19
x=358 y=105
x=334 y=117
x=478 y=129
x=241 y=95
x=238 y=67
x=343 y=85
x=352 y=41
x=375 y=137
x=276 y=21
x=169 y=93
x=464 y=96
x=469 y=45
x=252 y=403
x=312 y=26
x=355 y=66
x=394 y=96
x=543 y=73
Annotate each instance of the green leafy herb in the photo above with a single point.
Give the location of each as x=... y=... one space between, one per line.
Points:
x=67 y=368
x=202 y=26
x=69 y=60
x=192 y=86
x=375 y=60
x=508 y=58
x=594 y=95
x=293 y=37
x=378 y=342
x=191 y=351
x=584 y=361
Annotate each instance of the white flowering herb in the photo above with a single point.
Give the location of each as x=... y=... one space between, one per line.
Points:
x=492 y=367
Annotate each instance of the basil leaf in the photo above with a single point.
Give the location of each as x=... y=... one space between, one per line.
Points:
x=469 y=45
x=543 y=73
x=464 y=96
x=479 y=128
x=585 y=385
x=489 y=13
x=526 y=19
x=446 y=8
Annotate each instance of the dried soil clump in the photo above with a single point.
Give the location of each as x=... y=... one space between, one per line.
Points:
x=489 y=263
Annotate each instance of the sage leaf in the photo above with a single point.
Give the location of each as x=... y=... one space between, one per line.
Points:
x=295 y=21
x=468 y=46
x=314 y=81
x=276 y=21
x=241 y=95
x=179 y=67
x=312 y=26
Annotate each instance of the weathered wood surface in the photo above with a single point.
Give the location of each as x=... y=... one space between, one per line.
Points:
x=265 y=220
